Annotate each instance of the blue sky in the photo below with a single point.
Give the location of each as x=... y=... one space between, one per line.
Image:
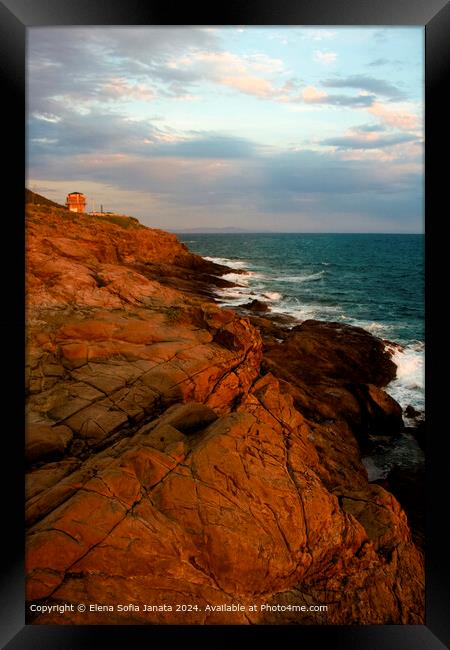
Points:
x=279 y=128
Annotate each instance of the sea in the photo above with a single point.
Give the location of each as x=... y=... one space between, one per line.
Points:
x=374 y=281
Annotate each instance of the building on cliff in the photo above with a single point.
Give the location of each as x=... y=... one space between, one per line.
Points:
x=101 y=213
x=76 y=202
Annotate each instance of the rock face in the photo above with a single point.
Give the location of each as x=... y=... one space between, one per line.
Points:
x=335 y=374
x=175 y=458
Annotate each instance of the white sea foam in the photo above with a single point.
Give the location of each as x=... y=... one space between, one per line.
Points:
x=239 y=278
x=272 y=295
x=234 y=264
x=375 y=328
x=304 y=311
x=303 y=278
x=231 y=294
x=408 y=386
x=256 y=275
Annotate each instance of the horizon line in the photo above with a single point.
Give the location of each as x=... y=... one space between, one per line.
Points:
x=281 y=232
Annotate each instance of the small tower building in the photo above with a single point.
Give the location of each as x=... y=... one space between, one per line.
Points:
x=76 y=202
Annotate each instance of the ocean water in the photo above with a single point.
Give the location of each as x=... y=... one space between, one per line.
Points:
x=370 y=280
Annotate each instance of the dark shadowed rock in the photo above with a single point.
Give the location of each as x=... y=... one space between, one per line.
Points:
x=336 y=371
x=256 y=305
x=411 y=412
x=408 y=485
x=44 y=440
x=341 y=351
x=188 y=418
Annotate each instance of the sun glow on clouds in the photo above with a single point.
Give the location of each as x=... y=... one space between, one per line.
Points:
x=121 y=88
x=244 y=74
x=205 y=125
x=401 y=118
x=311 y=95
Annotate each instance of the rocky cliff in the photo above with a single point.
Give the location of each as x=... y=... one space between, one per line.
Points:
x=178 y=453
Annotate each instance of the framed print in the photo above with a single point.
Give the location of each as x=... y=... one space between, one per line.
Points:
x=229 y=220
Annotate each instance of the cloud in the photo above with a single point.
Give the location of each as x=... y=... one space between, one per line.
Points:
x=81 y=65
x=47 y=117
x=313 y=172
x=358 y=140
x=118 y=88
x=369 y=84
x=206 y=146
x=325 y=57
x=401 y=119
x=102 y=132
x=250 y=85
x=370 y=128
x=278 y=185
x=380 y=61
x=312 y=95
x=381 y=35
x=319 y=34
x=247 y=74
x=88 y=128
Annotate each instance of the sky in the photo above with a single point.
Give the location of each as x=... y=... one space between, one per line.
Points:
x=289 y=129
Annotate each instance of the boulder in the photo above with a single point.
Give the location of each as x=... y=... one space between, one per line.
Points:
x=336 y=373
x=385 y=414
x=256 y=305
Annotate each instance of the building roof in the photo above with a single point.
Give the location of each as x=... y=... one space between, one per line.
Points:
x=71 y=193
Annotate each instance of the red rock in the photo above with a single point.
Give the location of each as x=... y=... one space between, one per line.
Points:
x=193 y=469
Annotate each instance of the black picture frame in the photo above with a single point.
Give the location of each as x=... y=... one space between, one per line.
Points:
x=15 y=17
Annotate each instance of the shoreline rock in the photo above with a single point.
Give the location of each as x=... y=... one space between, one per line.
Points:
x=255 y=305
x=177 y=447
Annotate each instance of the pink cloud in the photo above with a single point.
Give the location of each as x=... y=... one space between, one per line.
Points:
x=120 y=88
x=250 y=85
x=401 y=119
x=250 y=74
x=311 y=95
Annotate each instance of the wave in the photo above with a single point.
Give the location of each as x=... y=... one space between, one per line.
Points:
x=272 y=295
x=303 y=278
x=239 y=278
x=408 y=386
x=374 y=327
x=243 y=278
x=234 y=264
x=306 y=311
x=235 y=295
